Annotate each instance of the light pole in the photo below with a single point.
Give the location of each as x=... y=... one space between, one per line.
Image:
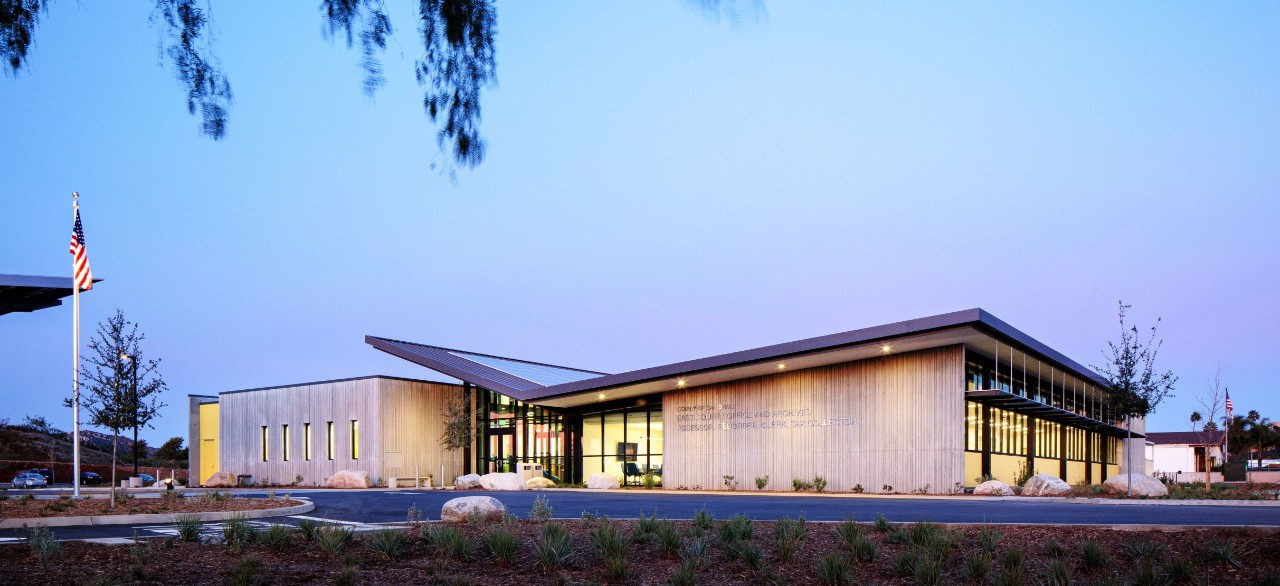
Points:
x=133 y=406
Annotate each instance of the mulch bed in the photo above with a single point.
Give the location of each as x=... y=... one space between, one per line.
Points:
x=303 y=562
x=18 y=508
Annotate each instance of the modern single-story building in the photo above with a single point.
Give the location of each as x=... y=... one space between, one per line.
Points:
x=929 y=404
x=1177 y=454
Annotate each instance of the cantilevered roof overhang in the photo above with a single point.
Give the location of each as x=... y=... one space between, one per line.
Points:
x=562 y=387
x=25 y=293
x=1025 y=406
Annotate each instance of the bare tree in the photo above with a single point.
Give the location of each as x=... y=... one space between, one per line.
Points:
x=1212 y=398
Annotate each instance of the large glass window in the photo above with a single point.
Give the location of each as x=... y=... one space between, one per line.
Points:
x=973 y=427
x=1008 y=432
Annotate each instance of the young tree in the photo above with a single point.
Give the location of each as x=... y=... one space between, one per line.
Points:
x=1212 y=398
x=1134 y=388
x=119 y=388
x=459 y=424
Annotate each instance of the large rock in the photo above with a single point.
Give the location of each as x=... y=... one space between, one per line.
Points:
x=467 y=481
x=463 y=508
x=348 y=479
x=1143 y=485
x=539 y=482
x=993 y=488
x=1046 y=485
x=502 y=481
x=600 y=480
x=221 y=479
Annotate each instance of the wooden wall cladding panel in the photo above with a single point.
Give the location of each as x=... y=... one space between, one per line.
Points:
x=395 y=415
x=896 y=420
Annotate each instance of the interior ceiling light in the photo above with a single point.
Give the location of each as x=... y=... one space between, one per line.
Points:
x=680 y=383
x=600 y=396
x=886 y=348
x=782 y=366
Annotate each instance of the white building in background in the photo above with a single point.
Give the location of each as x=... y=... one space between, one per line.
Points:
x=1177 y=453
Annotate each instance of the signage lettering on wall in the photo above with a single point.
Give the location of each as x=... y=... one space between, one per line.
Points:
x=725 y=417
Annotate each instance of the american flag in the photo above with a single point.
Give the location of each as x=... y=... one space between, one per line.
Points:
x=1228 y=404
x=83 y=276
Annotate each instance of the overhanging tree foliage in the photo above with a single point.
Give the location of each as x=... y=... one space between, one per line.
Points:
x=458 y=58
x=1134 y=388
x=120 y=388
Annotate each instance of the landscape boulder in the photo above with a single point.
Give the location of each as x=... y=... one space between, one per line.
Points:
x=539 y=482
x=502 y=481
x=219 y=479
x=467 y=481
x=466 y=507
x=1045 y=485
x=348 y=479
x=1143 y=485
x=993 y=488
x=602 y=481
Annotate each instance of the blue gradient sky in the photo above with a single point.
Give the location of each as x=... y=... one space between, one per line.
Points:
x=659 y=186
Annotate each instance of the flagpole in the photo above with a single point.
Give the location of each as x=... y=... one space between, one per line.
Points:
x=75 y=360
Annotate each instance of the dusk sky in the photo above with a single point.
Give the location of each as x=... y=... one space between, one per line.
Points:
x=660 y=185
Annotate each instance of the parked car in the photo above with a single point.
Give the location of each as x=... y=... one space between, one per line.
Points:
x=90 y=478
x=28 y=480
x=45 y=472
x=147 y=479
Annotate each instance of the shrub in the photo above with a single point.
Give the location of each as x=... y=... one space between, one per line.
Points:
x=553 y=547
x=863 y=550
x=988 y=538
x=500 y=542
x=645 y=526
x=309 y=528
x=1054 y=550
x=1143 y=549
x=976 y=567
x=750 y=555
x=1024 y=474
x=276 y=537
x=833 y=569
x=800 y=484
x=1093 y=556
x=684 y=575
x=1013 y=560
x=730 y=483
x=332 y=539
x=857 y=488
x=649 y=480
x=1182 y=571
x=886 y=489
x=388 y=542
x=618 y=567
x=882 y=524
x=248 y=572
x=188 y=527
x=1058 y=573
x=737 y=528
x=43 y=544
x=415 y=516
x=928 y=572
x=669 y=541
x=695 y=553
x=819 y=484
x=702 y=519
x=139 y=555
x=237 y=533
x=1223 y=552
x=541 y=509
x=904 y=564
x=607 y=542
x=788 y=537
x=452 y=543
x=848 y=531
x=762 y=481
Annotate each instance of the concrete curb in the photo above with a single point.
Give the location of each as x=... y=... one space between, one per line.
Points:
x=873 y=496
x=158 y=518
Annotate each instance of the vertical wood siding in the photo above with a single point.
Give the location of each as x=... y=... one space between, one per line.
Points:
x=413 y=421
x=907 y=429
x=394 y=415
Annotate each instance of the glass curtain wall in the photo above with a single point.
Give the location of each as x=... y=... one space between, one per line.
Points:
x=512 y=431
x=626 y=443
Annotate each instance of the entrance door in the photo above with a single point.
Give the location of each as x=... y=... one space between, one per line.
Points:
x=502 y=450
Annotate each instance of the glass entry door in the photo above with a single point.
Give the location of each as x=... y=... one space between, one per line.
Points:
x=501 y=454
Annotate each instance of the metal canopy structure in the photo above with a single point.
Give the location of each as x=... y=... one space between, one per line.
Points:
x=27 y=293
x=1025 y=406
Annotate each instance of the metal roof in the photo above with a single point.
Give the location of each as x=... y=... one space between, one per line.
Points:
x=1191 y=438
x=454 y=363
x=25 y=293
x=1019 y=404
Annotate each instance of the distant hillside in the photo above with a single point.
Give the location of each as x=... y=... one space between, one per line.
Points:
x=22 y=448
